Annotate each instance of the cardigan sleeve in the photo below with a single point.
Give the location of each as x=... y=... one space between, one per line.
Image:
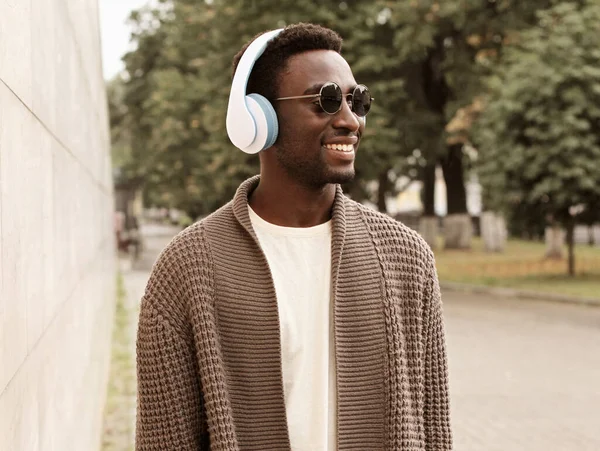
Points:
x=170 y=411
x=438 y=436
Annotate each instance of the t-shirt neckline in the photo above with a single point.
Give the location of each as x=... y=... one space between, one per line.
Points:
x=258 y=222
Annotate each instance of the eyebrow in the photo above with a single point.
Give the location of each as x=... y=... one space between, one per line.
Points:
x=314 y=89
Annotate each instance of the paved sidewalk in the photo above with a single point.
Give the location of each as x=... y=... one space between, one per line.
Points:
x=119 y=434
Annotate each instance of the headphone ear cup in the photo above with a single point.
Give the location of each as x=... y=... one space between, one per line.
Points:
x=265 y=119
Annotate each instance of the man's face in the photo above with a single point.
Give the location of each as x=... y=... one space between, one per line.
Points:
x=307 y=147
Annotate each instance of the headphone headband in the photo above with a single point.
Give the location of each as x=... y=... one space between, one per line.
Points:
x=241 y=122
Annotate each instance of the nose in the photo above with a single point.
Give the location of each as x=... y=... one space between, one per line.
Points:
x=346 y=119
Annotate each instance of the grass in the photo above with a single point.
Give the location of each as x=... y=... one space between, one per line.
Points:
x=522 y=266
x=119 y=415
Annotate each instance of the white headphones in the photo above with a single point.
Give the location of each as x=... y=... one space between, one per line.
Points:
x=251 y=119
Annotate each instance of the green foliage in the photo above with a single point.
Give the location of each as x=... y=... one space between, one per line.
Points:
x=423 y=60
x=426 y=60
x=539 y=137
x=439 y=51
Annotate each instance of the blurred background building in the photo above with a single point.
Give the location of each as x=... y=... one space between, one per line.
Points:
x=56 y=229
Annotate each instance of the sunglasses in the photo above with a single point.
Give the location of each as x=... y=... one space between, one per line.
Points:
x=330 y=99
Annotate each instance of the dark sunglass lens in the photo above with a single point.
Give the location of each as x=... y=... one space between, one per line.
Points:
x=331 y=98
x=361 y=100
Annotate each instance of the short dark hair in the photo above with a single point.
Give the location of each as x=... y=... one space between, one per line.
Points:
x=294 y=39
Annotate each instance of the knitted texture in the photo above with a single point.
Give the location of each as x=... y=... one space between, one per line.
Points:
x=209 y=350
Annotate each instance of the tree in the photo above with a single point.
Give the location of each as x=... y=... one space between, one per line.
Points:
x=437 y=53
x=165 y=96
x=422 y=59
x=539 y=135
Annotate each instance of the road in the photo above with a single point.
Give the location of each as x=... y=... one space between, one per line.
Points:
x=525 y=375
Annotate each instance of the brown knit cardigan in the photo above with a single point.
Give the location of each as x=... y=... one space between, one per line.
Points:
x=209 y=351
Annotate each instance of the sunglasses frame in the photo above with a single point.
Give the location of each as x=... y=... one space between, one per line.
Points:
x=319 y=95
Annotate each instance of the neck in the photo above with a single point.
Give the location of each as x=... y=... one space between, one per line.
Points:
x=285 y=203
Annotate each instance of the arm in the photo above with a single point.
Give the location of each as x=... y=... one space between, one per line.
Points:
x=169 y=407
x=438 y=435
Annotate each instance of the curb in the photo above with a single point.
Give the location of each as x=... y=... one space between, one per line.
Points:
x=520 y=294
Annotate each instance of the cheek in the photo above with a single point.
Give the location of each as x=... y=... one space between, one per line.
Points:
x=303 y=128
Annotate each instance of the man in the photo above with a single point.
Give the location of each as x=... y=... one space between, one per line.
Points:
x=293 y=317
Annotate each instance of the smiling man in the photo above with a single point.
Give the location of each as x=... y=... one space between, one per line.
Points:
x=294 y=318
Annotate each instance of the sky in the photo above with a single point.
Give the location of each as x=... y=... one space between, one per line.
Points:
x=115 y=32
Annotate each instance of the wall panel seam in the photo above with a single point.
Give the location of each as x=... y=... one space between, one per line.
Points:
x=61 y=307
x=106 y=189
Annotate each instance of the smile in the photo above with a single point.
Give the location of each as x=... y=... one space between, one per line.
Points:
x=341 y=147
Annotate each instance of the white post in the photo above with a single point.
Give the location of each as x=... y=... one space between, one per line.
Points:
x=429 y=230
x=555 y=241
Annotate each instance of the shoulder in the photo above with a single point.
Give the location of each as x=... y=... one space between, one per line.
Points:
x=180 y=248
x=190 y=248
x=178 y=263
x=170 y=270
x=392 y=237
x=183 y=273
x=192 y=242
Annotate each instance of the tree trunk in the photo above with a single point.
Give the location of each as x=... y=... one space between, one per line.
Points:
x=456 y=194
x=591 y=238
x=429 y=190
x=458 y=229
x=428 y=225
x=382 y=190
x=436 y=91
x=571 y=244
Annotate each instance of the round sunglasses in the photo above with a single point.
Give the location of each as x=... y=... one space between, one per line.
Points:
x=330 y=99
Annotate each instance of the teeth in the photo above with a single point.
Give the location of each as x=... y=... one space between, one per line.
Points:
x=342 y=147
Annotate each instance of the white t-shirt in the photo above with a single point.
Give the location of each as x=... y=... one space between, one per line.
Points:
x=300 y=263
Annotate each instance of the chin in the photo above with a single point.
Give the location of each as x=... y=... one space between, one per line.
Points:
x=340 y=177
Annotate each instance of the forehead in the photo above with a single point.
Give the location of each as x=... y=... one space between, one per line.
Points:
x=315 y=67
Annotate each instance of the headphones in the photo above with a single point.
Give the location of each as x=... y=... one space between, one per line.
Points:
x=251 y=120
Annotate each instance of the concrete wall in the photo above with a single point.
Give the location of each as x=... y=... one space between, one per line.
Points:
x=57 y=263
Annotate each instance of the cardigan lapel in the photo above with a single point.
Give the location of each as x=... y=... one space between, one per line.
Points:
x=248 y=325
x=360 y=340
